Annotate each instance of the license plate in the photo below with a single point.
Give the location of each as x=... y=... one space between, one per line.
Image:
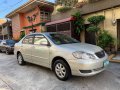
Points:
x=105 y=63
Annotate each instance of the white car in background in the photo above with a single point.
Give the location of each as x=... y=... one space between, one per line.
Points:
x=62 y=54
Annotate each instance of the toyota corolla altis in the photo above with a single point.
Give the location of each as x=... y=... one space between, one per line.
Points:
x=62 y=54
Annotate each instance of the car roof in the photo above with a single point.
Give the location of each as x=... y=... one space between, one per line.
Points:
x=45 y=33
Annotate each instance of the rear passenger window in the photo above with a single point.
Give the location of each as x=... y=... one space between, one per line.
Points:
x=28 y=40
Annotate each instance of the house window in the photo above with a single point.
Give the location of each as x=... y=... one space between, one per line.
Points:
x=45 y=16
x=63 y=26
x=51 y=28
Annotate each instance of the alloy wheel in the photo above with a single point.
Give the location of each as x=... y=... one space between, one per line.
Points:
x=20 y=59
x=60 y=70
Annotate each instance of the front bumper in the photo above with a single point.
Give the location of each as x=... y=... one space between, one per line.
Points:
x=84 y=68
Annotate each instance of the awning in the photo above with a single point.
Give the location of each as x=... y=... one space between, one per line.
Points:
x=60 y=21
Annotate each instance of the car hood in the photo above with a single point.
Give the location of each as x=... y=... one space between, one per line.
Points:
x=82 y=47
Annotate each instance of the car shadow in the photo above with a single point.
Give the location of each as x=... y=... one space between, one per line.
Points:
x=73 y=78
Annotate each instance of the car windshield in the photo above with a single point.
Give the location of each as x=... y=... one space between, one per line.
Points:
x=10 y=42
x=60 y=39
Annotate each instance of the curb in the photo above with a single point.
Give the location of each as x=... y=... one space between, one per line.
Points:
x=111 y=60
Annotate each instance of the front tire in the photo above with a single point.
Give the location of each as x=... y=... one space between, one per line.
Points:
x=20 y=59
x=61 y=70
x=7 y=52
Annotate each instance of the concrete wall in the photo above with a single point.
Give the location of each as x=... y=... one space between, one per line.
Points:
x=37 y=20
x=16 y=26
x=111 y=16
x=20 y=20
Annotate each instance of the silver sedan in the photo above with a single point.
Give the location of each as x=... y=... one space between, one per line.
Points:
x=62 y=54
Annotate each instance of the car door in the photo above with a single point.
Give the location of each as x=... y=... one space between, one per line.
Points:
x=41 y=51
x=26 y=48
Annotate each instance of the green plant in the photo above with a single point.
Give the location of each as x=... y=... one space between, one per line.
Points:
x=93 y=29
x=78 y=22
x=64 y=9
x=22 y=35
x=105 y=39
x=96 y=20
x=94 y=25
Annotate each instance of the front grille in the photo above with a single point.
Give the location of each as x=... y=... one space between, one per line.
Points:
x=100 y=54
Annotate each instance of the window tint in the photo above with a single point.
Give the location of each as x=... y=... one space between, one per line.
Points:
x=62 y=39
x=28 y=40
x=38 y=39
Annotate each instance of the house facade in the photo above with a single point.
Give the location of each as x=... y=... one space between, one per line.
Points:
x=5 y=29
x=1 y=27
x=30 y=17
x=108 y=8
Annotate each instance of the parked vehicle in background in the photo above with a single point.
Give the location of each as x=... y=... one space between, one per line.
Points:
x=0 y=41
x=62 y=54
x=7 y=46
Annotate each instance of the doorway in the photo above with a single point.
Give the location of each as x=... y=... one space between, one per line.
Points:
x=118 y=34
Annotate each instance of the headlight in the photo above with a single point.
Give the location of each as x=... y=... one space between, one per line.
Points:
x=83 y=55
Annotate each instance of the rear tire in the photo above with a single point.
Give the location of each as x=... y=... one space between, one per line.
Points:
x=61 y=70
x=20 y=59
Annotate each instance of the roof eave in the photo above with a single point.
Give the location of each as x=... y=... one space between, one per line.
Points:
x=24 y=6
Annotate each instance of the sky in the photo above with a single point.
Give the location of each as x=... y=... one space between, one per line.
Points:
x=6 y=6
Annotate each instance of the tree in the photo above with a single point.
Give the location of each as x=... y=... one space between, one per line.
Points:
x=78 y=23
x=94 y=25
x=105 y=39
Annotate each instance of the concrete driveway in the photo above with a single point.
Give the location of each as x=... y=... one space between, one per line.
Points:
x=32 y=77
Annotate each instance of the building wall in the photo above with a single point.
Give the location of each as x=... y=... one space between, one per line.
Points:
x=20 y=20
x=16 y=27
x=37 y=20
x=110 y=16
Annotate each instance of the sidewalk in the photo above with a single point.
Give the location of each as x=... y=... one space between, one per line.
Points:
x=4 y=86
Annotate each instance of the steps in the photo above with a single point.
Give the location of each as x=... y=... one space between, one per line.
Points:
x=115 y=58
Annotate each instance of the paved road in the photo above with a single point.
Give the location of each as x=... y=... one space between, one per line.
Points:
x=32 y=77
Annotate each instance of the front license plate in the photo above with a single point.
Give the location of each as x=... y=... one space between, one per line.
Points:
x=106 y=62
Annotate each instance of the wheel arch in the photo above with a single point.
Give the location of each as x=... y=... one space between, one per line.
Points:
x=18 y=52
x=61 y=58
